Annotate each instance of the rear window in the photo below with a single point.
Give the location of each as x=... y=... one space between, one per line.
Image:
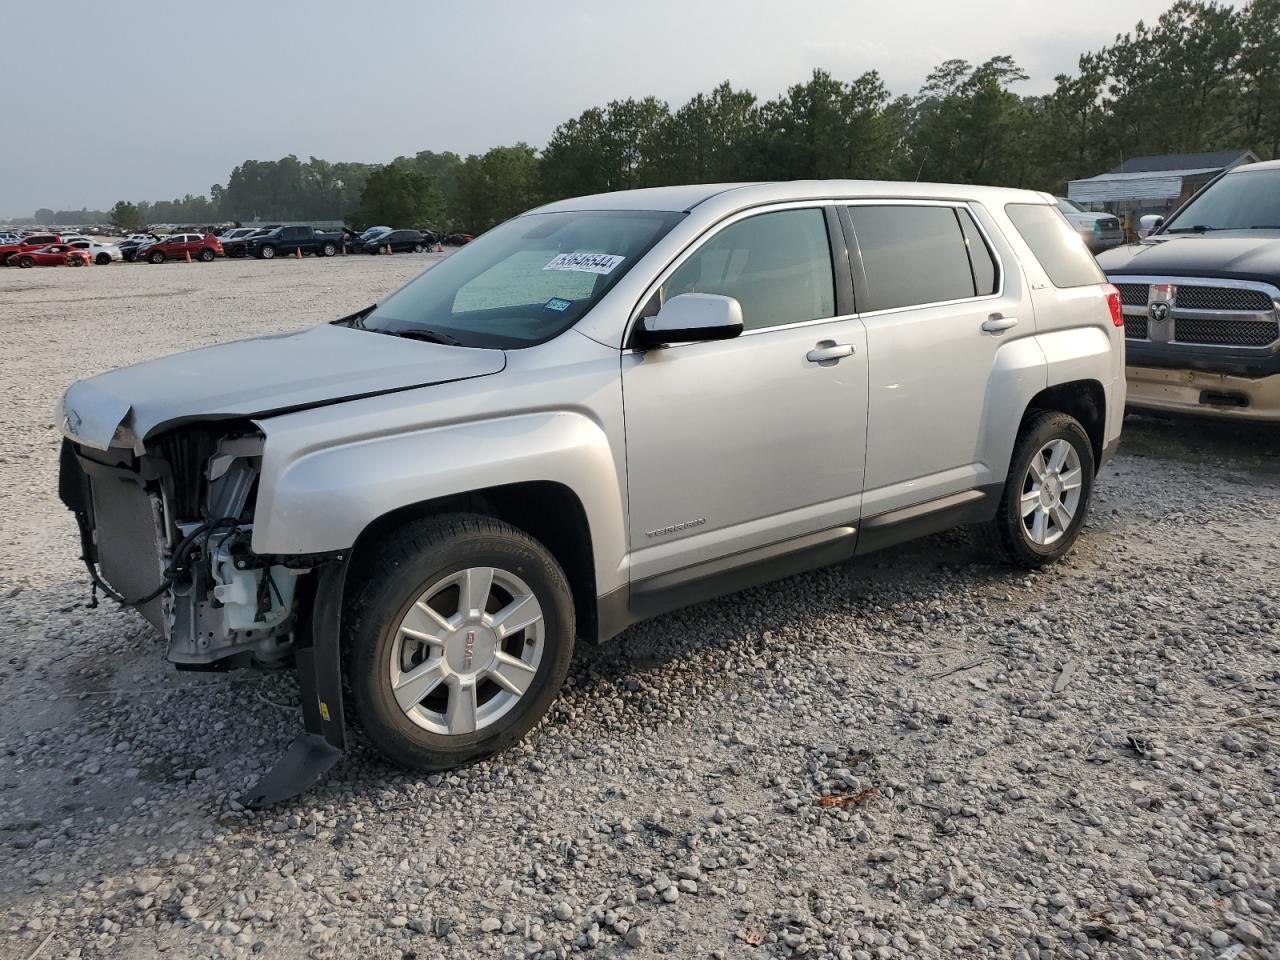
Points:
x=1056 y=245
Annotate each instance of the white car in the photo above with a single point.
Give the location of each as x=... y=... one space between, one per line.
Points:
x=99 y=253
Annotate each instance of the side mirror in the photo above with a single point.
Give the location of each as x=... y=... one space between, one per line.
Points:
x=689 y=318
x=1149 y=223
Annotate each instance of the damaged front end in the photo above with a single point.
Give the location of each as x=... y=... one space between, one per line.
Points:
x=166 y=527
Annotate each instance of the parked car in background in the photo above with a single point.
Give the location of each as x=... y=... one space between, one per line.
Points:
x=239 y=247
x=1099 y=231
x=204 y=247
x=27 y=243
x=100 y=253
x=1202 y=301
x=236 y=233
x=131 y=244
x=288 y=240
x=400 y=241
x=605 y=409
x=458 y=239
x=54 y=255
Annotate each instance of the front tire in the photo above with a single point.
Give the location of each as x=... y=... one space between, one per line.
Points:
x=1046 y=495
x=156 y=257
x=458 y=634
x=207 y=255
x=102 y=259
x=26 y=263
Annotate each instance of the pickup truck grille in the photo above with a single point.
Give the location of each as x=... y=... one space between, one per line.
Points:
x=1227 y=333
x=1134 y=295
x=1202 y=312
x=1222 y=298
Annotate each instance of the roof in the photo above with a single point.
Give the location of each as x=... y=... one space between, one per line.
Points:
x=740 y=195
x=1171 y=162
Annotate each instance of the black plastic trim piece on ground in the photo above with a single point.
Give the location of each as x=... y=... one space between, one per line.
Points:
x=319 y=664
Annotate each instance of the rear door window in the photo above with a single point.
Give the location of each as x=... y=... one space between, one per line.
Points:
x=1056 y=245
x=914 y=255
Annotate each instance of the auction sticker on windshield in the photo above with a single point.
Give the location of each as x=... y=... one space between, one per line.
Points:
x=601 y=263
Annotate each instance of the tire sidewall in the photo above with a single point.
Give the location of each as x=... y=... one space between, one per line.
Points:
x=370 y=644
x=1051 y=428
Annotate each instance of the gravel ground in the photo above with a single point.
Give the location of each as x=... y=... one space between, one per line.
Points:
x=919 y=756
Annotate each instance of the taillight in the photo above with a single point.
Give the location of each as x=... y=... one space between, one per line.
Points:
x=1113 y=304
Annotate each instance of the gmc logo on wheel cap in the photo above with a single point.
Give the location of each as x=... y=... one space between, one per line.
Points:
x=470 y=651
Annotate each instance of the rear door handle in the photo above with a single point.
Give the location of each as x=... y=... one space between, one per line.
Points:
x=828 y=352
x=998 y=324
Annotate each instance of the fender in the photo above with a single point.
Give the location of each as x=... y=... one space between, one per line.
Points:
x=317 y=501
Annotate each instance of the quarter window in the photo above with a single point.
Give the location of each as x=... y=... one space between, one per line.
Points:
x=1056 y=245
x=914 y=255
x=777 y=265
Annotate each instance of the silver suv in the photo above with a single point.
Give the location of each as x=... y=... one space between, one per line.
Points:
x=601 y=410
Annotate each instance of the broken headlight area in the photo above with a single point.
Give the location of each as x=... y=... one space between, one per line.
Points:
x=169 y=532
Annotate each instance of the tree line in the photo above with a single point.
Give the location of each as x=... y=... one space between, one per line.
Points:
x=1204 y=76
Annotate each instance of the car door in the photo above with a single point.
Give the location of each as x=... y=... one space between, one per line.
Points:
x=748 y=444
x=938 y=304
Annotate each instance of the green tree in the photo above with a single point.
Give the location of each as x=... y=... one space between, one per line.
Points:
x=398 y=198
x=126 y=216
x=496 y=186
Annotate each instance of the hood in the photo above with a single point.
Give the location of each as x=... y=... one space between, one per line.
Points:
x=1242 y=255
x=254 y=378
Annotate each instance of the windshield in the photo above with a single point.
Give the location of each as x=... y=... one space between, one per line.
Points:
x=524 y=282
x=1069 y=206
x=1243 y=200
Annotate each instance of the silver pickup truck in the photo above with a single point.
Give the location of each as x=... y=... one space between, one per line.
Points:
x=601 y=410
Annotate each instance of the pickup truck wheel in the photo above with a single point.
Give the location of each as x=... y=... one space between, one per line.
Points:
x=1047 y=494
x=329 y=249
x=266 y=253
x=458 y=636
x=156 y=257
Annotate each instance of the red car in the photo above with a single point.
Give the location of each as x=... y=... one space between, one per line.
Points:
x=54 y=255
x=33 y=242
x=180 y=245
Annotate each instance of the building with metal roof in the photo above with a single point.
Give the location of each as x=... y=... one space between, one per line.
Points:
x=1158 y=184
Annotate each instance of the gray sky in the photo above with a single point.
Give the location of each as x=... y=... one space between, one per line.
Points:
x=144 y=101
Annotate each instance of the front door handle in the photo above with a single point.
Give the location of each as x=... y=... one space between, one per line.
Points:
x=828 y=352
x=998 y=324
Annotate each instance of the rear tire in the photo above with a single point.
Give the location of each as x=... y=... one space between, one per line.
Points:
x=156 y=257
x=207 y=255
x=492 y=684
x=329 y=249
x=417 y=248
x=267 y=253
x=102 y=259
x=26 y=263
x=1044 y=503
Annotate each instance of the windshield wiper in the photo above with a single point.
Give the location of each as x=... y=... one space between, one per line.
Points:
x=426 y=335
x=1263 y=226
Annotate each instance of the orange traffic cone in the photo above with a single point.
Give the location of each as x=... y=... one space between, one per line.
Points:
x=188 y=256
x=439 y=247
x=344 y=248
x=298 y=253
x=389 y=250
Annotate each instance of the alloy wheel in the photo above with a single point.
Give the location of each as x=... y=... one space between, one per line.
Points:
x=1051 y=492
x=467 y=650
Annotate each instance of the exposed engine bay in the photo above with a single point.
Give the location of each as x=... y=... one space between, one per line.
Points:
x=167 y=529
